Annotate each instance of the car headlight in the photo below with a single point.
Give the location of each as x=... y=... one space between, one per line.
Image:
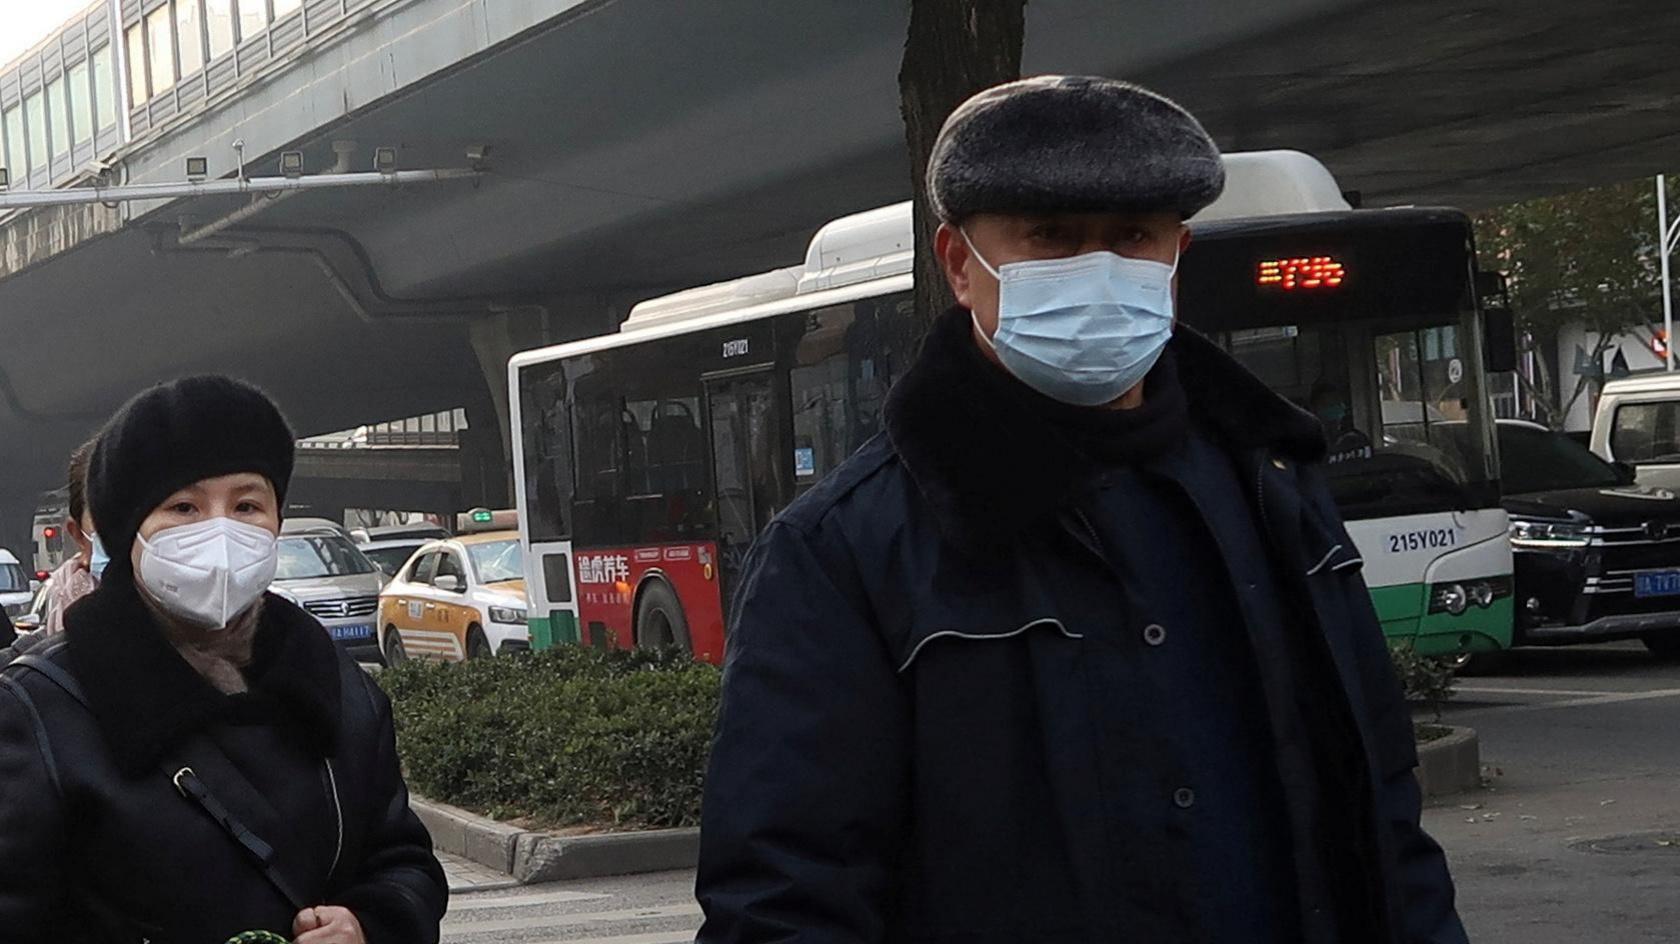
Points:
x=1548 y=534
x=507 y=614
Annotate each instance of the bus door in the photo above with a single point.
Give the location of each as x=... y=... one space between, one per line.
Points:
x=740 y=411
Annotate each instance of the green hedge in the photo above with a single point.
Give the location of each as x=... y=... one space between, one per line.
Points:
x=565 y=736
x=1428 y=680
x=580 y=736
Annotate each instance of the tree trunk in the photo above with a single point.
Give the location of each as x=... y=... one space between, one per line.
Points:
x=954 y=49
x=1538 y=398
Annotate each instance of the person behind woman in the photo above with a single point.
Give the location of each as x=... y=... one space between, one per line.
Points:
x=192 y=758
x=79 y=574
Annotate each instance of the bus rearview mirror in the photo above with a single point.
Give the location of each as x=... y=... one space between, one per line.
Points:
x=1499 y=339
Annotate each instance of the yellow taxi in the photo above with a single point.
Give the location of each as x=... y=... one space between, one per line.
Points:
x=458 y=598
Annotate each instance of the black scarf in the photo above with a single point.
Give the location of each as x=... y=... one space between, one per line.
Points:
x=1107 y=436
x=993 y=458
x=146 y=699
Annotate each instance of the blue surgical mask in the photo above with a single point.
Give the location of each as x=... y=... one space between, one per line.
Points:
x=96 y=567
x=1085 y=329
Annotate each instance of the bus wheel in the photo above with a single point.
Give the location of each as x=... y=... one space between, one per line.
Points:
x=394 y=651
x=660 y=623
x=478 y=647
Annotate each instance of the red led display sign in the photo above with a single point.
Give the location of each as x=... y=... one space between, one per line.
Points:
x=1304 y=273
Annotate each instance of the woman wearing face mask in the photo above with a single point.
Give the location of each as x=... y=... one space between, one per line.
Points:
x=79 y=574
x=201 y=759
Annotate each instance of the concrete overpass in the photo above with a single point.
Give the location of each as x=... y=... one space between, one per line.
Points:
x=639 y=146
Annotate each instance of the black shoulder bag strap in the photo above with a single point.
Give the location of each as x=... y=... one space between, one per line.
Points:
x=39 y=663
x=186 y=782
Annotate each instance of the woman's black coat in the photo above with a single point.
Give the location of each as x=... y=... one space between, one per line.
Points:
x=97 y=842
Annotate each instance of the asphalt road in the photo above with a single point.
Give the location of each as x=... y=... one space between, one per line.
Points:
x=1576 y=838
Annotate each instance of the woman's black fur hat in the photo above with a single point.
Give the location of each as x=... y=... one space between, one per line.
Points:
x=176 y=434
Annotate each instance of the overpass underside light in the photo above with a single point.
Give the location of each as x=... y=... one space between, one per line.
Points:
x=25 y=199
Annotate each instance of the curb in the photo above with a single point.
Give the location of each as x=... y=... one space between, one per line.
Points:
x=542 y=857
x=531 y=856
x=1450 y=764
x=468 y=835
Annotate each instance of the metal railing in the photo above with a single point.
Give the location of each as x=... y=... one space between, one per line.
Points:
x=288 y=27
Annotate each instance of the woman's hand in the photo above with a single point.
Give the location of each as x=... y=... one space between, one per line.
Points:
x=327 y=924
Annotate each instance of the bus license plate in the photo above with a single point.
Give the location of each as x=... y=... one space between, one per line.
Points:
x=1656 y=583
x=358 y=631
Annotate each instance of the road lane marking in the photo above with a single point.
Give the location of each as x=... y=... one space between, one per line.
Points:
x=1595 y=700
x=1560 y=692
x=520 y=901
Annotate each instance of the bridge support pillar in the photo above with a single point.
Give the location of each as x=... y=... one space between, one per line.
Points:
x=486 y=456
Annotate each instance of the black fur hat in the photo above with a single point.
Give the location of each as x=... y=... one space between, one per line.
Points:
x=1071 y=143
x=176 y=434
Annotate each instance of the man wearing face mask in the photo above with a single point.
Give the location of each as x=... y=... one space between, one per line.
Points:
x=1077 y=651
x=79 y=574
x=199 y=759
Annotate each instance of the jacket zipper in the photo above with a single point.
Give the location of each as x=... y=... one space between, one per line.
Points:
x=338 y=817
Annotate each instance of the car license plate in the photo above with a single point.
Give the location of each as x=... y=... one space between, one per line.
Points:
x=1656 y=583
x=358 y=631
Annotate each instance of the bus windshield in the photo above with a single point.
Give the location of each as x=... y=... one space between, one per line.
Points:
x=1393 y=404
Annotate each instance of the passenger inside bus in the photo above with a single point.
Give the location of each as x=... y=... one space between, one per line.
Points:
x=1329 y=402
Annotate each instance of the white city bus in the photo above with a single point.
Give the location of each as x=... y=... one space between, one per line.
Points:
x=647 y=460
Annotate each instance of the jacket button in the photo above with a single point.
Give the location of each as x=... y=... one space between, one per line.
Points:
x=1154 y=634
x=1279 y=464
x=1184 y=798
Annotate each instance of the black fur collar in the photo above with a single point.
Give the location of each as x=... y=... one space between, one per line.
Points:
x=146 y=698
x=990 y=466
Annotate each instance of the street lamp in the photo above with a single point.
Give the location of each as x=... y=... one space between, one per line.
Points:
x=1667 y=237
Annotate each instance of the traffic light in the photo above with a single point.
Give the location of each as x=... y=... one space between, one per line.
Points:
x=49 y=533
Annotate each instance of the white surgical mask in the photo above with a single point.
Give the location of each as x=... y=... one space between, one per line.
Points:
x=1085 y=329
x=208 y=572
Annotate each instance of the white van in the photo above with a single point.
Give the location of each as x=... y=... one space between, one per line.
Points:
x=1638 y=423
x=17 y=590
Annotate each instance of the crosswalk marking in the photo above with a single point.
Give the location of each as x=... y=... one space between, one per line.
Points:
x=663 y=937
x=518 y=901
x=549 y=922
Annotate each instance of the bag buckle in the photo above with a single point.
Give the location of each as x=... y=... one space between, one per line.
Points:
x=179 y=775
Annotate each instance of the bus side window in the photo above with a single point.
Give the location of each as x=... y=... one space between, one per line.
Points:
x=676 y=450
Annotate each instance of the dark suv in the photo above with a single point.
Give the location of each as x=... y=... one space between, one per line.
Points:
x=1597 y=556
